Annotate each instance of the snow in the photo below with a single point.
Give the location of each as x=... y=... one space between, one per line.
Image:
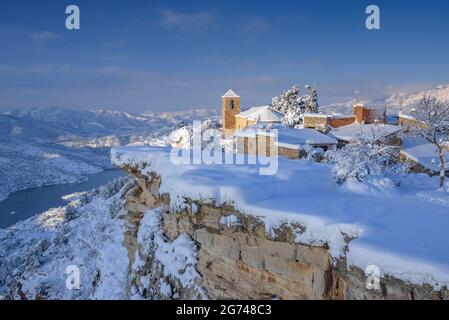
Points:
x=341 y=109
x=166 y=288
x=229 y=221
x=73 y=196
x=194 y=208
x=178 y=257
x=317 y=115
x=288 y=137
x=230 y=94
x=348 y=133
x=422 y=152
x=262 y=114
x=403 y=101
x=411 y=100
x=404 y=234
x=87 y=233
x=47 y=146
x=406 y=116
x=30 y=166
x=293 y=106
x=303 y=136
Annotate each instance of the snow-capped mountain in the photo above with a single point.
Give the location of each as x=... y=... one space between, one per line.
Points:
x=412 y=100
x=58 y=123
x=394 y=103
x=42 y=146
x=341 y=108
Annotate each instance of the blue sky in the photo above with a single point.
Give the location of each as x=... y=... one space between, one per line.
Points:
x=171 y=55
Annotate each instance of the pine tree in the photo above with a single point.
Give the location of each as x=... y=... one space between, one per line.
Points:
x=294 y=106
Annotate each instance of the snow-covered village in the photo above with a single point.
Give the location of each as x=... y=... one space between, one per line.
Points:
x=311 y=185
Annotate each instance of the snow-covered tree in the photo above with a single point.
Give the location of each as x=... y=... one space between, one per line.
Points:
x=209 y=135
x=369 y=153
x=288 y=100
x=310 y=101
x=432 y=116
x=293 y=106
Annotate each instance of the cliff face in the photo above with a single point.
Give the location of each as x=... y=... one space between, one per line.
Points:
x=237 y=259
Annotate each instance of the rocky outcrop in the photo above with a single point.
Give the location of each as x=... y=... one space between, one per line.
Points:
x=238 y=259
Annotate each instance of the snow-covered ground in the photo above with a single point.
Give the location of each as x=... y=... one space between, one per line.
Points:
x=24 y=166
x=401 y=229
x=45 y=146
x=52 y=146
x=87 y=233
x=178 y=258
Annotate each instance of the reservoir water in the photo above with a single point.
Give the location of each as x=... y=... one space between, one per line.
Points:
x=24 y=204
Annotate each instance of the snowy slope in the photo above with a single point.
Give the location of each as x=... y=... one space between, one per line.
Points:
x=392 y=103
x=87 y=233
x=43 y=146
x=400 y=229
x=411 y=100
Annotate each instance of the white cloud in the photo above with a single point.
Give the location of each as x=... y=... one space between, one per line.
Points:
x=170 y=18
x=254 y=24
x=40 y=69
x=42 y=36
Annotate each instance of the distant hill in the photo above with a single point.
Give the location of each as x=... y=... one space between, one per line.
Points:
x=42 y=146
x=411 y=100
x=392 y=103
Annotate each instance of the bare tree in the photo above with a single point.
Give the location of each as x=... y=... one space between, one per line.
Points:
x=432 y=123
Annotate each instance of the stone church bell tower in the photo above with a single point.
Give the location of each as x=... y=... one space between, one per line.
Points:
x=230 y=106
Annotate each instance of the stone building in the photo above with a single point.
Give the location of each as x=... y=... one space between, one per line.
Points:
x=230 y=106
x=233 y=119
x=361 y=114
x=421 y=156
x=408 y=121
x=346 y=134
x=322 y=122
x=369 y=115
x=258 y=131
x=281 y=140
x=264 y=115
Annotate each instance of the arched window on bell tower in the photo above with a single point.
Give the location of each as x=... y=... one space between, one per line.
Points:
x=231 y=105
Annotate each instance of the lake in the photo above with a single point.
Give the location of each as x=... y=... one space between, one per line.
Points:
x=24 y=204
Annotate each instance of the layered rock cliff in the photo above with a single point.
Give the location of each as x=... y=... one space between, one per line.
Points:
x=237 y=259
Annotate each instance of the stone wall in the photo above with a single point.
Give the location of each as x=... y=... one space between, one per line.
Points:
x=242 y=122
x=369 y=115
x=337 y=122
x=242 y=261
x=290 y=153
x=263 y=146
x=228 y=114
x=316 y=121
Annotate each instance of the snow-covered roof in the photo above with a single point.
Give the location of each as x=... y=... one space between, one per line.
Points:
x=422 y=152
x=317 y=115
x=231 y=94
x=262 y=114
x=406 y=116
x=288 y=137
x=349 y=132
